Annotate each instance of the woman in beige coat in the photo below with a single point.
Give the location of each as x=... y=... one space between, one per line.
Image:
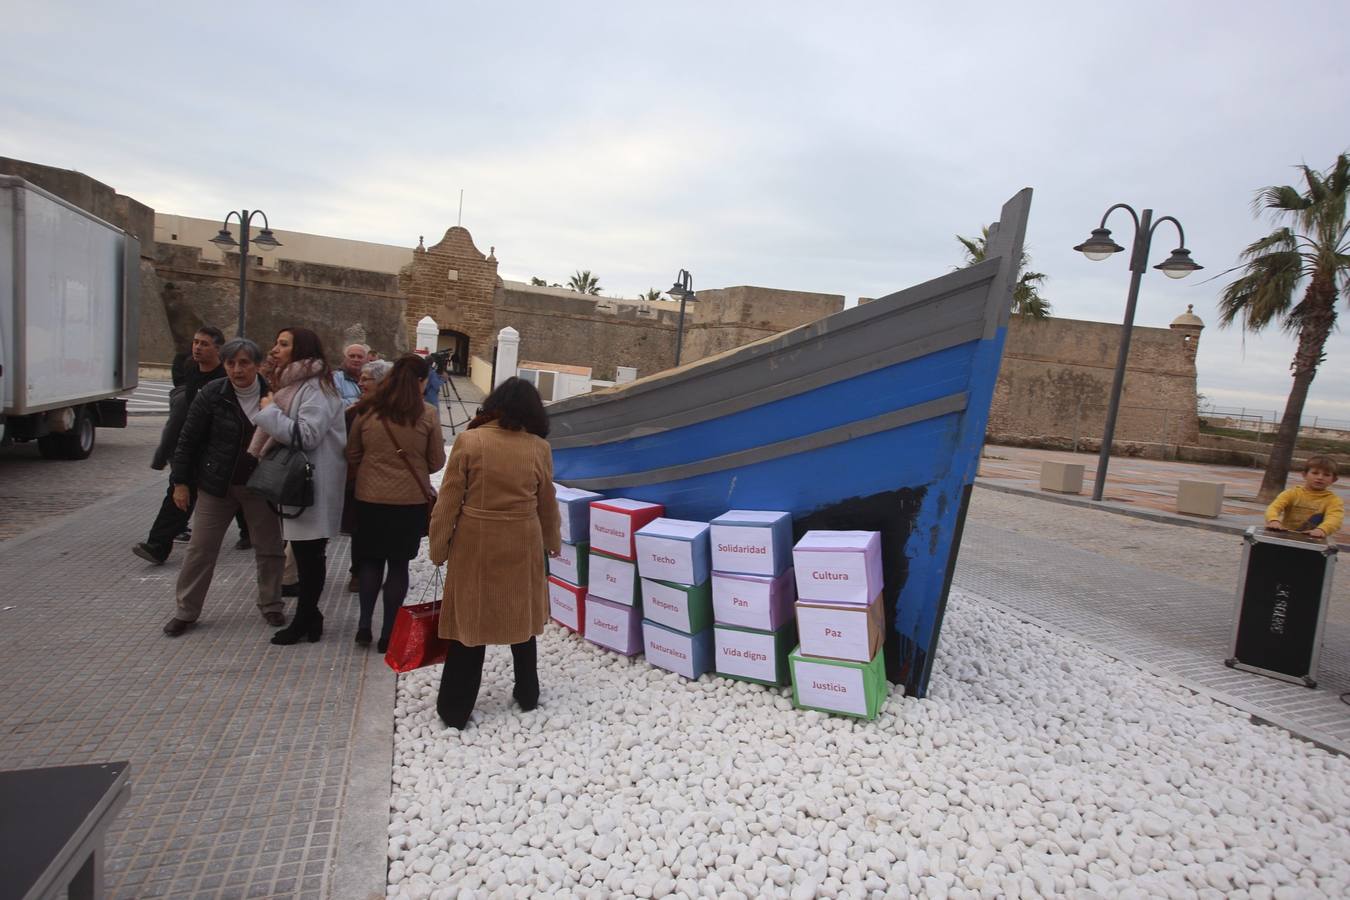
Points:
x=495 y=518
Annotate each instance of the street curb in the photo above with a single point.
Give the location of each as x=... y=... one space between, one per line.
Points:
x=1151 y=515
x=1109 y=507
x=360 y=870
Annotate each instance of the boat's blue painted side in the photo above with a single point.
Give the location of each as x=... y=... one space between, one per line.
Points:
x=923 y=456
x=851 y=400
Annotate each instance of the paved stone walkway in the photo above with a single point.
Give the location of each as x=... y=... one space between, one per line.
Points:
x=1146 y=488
x=251 y=765
x=1173 y=626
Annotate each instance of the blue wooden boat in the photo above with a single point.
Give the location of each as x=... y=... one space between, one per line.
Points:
x=872 y=418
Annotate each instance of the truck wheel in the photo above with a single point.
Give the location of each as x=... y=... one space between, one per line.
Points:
x=77 y=443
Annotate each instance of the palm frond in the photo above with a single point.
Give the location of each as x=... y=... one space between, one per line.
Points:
x=1264 y=293
x=1280 y=198
x=1281 y=240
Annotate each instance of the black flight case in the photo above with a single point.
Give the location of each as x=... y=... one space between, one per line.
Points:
x=1282 y=600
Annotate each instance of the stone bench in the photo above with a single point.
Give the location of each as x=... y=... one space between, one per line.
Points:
x=1062 y=478
x=1200 y=498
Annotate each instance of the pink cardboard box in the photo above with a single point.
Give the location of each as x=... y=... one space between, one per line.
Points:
x=838 y=566
x=841 y=631
x=753 y=601
x=614 y=626
x=566 y=604
x=615 y=522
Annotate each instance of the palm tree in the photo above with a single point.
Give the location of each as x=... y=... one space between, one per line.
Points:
x=651 y=296
x=1311 y=253
x=584 y=282
x=1027 y=299
x=536 y=281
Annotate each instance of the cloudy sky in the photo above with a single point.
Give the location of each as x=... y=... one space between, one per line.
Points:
x=768 y=143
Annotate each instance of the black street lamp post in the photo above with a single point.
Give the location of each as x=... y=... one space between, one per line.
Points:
x=1100 y=246
x=683 y=288
x=225 y=241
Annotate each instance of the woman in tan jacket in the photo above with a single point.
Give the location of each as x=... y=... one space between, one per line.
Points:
x=394 y=445
x=495 y=518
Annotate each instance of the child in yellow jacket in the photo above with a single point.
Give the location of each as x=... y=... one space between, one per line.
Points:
x=1310 y=508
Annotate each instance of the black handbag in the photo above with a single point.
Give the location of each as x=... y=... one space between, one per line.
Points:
x=285 y=477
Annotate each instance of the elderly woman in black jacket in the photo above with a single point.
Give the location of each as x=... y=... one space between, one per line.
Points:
x=211 y=456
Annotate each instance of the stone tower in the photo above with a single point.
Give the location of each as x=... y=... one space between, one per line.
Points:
x=1189 y=326
x=455 y=284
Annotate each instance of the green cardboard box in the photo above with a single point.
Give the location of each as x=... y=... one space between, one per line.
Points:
x=839 y=686
x=684 y=608
x=750 y=655
x=571 y=564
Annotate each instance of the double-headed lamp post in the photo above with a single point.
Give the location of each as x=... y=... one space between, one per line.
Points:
x=1100 y=246
x=225 y=241
x=682 y=289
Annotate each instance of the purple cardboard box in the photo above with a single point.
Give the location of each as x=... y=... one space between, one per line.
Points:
x=614 y=626
x=761 y=602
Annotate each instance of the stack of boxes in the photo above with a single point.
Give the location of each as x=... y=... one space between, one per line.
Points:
x=838 y=666
x=567 y=572
x=614 y=602
x=673 y=562
x=752 y=590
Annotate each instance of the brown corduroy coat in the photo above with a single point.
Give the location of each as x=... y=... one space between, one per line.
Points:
x=495 y=517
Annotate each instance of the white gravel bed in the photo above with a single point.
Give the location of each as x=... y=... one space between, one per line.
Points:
x=1036 y=767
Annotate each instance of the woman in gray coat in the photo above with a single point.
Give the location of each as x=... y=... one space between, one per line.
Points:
x=304 y=394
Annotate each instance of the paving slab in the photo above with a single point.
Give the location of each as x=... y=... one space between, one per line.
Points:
x=245 y=757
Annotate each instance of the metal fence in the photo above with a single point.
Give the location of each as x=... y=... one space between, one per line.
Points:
x=1265 y=422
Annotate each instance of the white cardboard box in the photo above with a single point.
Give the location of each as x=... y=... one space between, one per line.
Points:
x=615 y=522
x=838 y=566
x=566 y=604
x=574 y=512
x=614 y=579
x=673 y=550
x=570 y=564
x=753 y=601
x=689 y=655
x=751 y=542
x=841 y=631
x=823 y=686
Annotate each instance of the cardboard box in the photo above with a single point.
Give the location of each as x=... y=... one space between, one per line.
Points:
x=614 y=579
x=572 y=564
x=678 y=606
x=753 y=601
x=673 y=550
x=574 y=512
x=839 y=631
x=750 y=655
x=566 y=604
x=615 y=522
x=842 y=688
x=614 y=626
x=838 y=566
x=689 y=655
x=751 y=542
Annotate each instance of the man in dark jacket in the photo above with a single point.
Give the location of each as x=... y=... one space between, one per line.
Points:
x=205 y=368
x=212 y=461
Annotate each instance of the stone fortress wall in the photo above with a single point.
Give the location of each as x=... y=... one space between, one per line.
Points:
x=1052 y=387
x=1055 y=382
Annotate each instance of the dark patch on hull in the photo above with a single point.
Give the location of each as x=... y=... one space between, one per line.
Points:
x=892 y=513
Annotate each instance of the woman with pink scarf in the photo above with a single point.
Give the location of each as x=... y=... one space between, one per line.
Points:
x=304 y=393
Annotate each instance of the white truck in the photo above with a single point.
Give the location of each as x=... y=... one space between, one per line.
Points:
x=69 y=321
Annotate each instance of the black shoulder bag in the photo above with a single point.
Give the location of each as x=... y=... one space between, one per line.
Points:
x=285 y=477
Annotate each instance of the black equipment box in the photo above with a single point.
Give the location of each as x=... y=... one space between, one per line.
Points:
x=1282 y=601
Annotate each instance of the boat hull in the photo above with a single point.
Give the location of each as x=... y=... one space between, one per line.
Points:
x=871 y=419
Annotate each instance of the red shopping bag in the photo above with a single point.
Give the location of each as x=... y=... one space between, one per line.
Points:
x=414 y=642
